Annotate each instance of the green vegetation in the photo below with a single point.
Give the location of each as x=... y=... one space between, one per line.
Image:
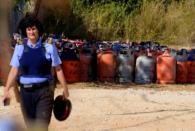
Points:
x=165 y=21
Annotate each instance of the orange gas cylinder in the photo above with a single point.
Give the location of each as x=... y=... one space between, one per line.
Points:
x=106 y=66
x=182 y=67
x=71 y=70
x=166 y=68
x=191 y=66
x=181 y=71
x=85 y=65
x=191 y=72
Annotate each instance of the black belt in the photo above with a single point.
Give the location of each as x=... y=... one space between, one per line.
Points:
x=35 y=85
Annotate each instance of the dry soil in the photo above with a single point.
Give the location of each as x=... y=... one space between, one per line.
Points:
x=115 y=107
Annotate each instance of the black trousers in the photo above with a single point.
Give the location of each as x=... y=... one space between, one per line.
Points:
x=37 y=107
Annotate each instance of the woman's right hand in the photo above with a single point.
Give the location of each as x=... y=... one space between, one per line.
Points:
x=10 y=82
x=6 y=97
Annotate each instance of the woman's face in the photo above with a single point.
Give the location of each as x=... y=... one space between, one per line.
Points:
x=32 y=33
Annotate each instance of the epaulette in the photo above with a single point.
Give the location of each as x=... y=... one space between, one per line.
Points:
x=20 y=42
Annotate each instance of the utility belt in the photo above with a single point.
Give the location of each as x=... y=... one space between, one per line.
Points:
x=35 y=86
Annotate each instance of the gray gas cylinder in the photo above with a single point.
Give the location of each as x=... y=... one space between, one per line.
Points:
x=125 y=68
x=145 y=69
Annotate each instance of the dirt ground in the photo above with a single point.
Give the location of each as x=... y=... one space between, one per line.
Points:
x=115 y=107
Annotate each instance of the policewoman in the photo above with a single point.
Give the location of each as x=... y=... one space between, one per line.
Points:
x=32 y=61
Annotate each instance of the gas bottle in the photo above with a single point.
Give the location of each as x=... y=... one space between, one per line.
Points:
x=191 y=66
x=166 y=68
x=106 y=66
x=125 y=66
x=182 y=66
x=71 y=70
x=145 y=69
x=85 y=64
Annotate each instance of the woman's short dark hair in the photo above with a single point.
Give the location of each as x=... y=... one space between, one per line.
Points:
x=29 y=21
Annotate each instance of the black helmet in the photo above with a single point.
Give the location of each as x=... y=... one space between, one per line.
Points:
x=62 y=108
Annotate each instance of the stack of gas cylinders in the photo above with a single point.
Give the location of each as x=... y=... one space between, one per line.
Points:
x=143 y=63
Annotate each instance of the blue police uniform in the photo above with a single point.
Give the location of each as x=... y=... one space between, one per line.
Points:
x=34 y=64
x=50 y=53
